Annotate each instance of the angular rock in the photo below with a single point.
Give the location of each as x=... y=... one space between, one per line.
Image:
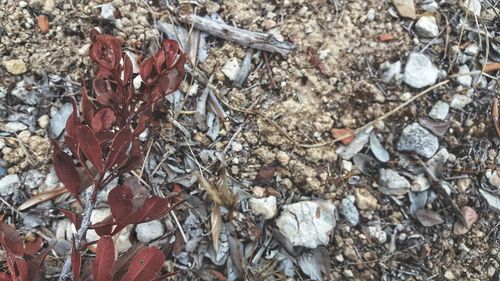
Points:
x=231 y=68
x=8 y=184
x=349 y=210
x=265 y=207
x=440 y=110
x=464 y=79
x=15 y=67
x=430 y=6
x=58 y=121
x=391 y=70
x=417 y=139
x=13 y=127
x=391 y=183
x=406 y=8
x=459 y=101
x=364 y=199
x=426 y=27
x=307 y=223
x=149 y=231
x=419 y=71
x=473 y=7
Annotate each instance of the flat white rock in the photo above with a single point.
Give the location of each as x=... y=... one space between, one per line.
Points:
x=8 y=184
x=265 y=207
x=149 y=231
x=231 y=68
x=426 y=27
x=419 y=71
x=464 y=79
x=440 y=110
x=307 y=223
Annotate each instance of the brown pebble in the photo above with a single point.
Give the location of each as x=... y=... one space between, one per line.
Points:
x=43 y=23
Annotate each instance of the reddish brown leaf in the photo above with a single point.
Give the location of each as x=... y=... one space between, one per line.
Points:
x=106 y=50
x=87 y=107
x=315 y=61
x=123 y=263
x=72 y=123
x=65 y=169
x=265 y=175
x=89 y=145
x=5 y=277
x=10 y=240
x=341 y=133
x=103 y=119
x=31 y=248
x=105 y=227
x=120 y=202
x=76 y=261
x=145 y=265
x=385 y=37
x=104 y=260
x=119 y=147
x=74 y=218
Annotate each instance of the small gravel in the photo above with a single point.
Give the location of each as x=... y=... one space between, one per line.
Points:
x=440 y=110
x=419 y=140
x=349 y=210
x=426 y=27
x=419 y=71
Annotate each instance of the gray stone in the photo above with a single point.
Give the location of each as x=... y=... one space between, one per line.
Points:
x=149 y=231
x=13 y=127
x=459 y=101
x=28 y=97
x=440 y=110
x=231 y=68
x=391 y=70
x=419 y=71
x=33 y=179
x=426 y=27
x=464 y=79
x=472 y=49
x=349 y=210
x=474 y=7
x=8 y=184
x=430 y=6
x=391 y=183
x=419 y=140
x=59 y=118
x=307 y=223
x=265 y=207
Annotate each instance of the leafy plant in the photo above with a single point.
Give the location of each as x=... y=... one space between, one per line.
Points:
x=101 y=144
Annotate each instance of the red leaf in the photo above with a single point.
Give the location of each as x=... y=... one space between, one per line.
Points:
x=106 y=51
x=5 y=277
x=147 y=72
x=105 y=91
x=127 y=70
x=87 y=107
x=89 y=145
x=104 y=260
x=74 y=218
x=65 y=169
x=76 y=261
x=339 y=133
x=33 y=247
x=145 y=265
x=120 y=202
x=72 y=122
x=105 y=227
x=134 y=157
x=10 y=240
x=119 y=147
x=124 y=261
x=103 y=119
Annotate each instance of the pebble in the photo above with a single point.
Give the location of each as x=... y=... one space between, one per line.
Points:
x=8 y=184
x=13 y=127
x=348 y=273
x=394 y=183
x=23 y=4
x=449 y=275
x=33 y=179
x=378 y=234
x=265 y=207
x=459 y=101
x=406 y=8
x=349 y=210
x=15 y=67
x=84 y=50
x=419 y=71
x=149 y=231
x=494 y=179
x=307 y=223
x=25 y=96
x=346 y=165
x=107 y=11
x=464 y=79
x=231 y=68
x=430 y=6
x=236 y=146
x=474 y=7
x=364 y=199
x=392 y=69
x=419 y=140
x=426 y=27
x=440 y=110
x=463 y=184
x=420 y=183
x=43 y=121
x=58 y=122
x=472 y=49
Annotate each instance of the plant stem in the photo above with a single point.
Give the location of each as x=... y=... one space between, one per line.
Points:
x=79 y=237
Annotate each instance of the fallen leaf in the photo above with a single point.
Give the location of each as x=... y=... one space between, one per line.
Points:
x=42 y=197
x=378 y=149
x=265 y=175
x=216 y=223
x=439 y=128
x=310 y=266
x=341 y=133
x=318 y=63
x=145 y=265
x=385 y=37
x=490 y=67
x=492 y=200
x=428 y=218
x=43 y=23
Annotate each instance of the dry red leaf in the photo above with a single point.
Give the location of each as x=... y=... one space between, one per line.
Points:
x=104 y=259
x=145 y=265
x=65 y=170
x=43 y=23
x=342 y=133
x=385 y=37
x=76 y=261
x=89 y=146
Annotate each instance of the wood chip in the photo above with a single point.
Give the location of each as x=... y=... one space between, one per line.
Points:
x=43 y=23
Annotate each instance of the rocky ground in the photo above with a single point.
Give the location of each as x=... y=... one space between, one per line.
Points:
x=414 y=196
